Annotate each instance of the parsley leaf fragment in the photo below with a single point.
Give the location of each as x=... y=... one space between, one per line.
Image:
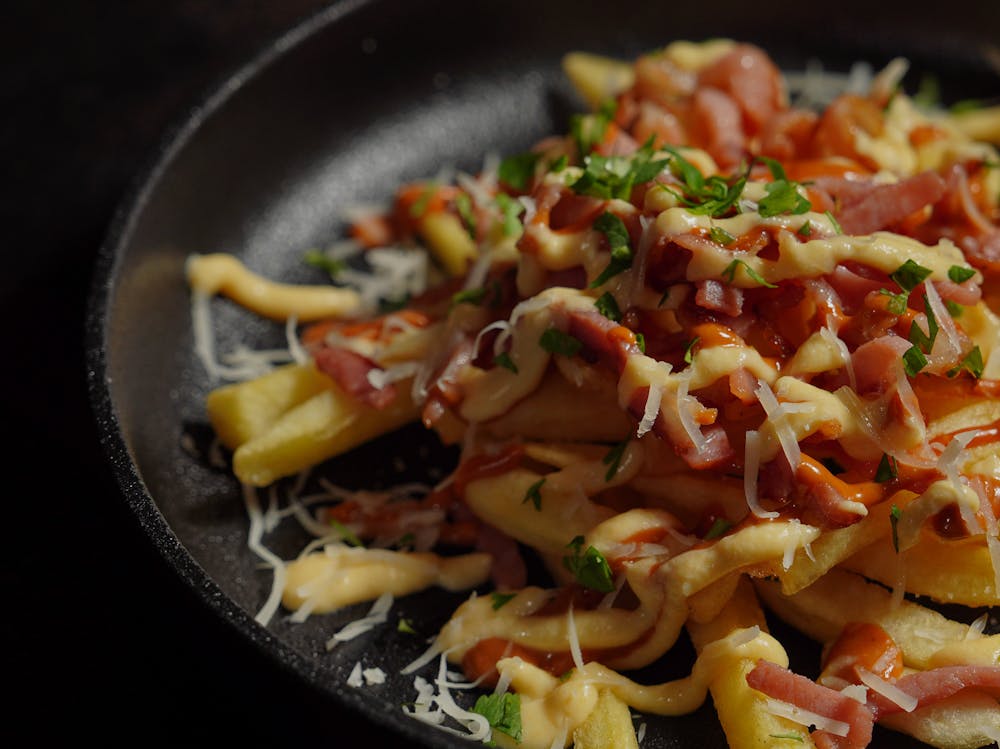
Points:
x=608 y=307
x=613 y=458
x=729 y=273
x=501 y=599
x=910 y=275
x=503 y=359
x=610 y=177
x=894 y=514
x=614 y=229
x=518 y=170
x=322 y=261
x=887 y=469
x=972 y=361
x=718 y=529
x=502 y=711
x=589 y=567
x=534 y=494
x=958 y=274
x=556 y=341
x=689 y=351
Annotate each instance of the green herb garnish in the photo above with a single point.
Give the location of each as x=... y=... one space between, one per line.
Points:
x=608 y=307
x=322 y=261
x=783 y=195
x=510 y=210
x=502 y=711
x=345 y=533
x=614 y=229
x=720 y=235
x=719 y=528
x=914 y=360
x=833 y=222
x=972 y=361
x=588 y=129
x=589 y=567
x=518 y=170
x=689 y=350
x=958 y=274
x=729 y=273
x=610 y=177
x=469 y=296
x=640 y=341
x=887 y=469
x=556 y=341
x=463 y=204
x=805 y=230
x=910 y=275
x=405 y=626
x=894 y=515
x=713 y=196
x=501 y=599
x=613 y=458
x=954 y=308
x=503 y=359
x=534 y=494
x=791 y=736
x=419 y=207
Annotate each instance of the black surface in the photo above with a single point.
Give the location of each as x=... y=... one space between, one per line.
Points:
x=103 y=637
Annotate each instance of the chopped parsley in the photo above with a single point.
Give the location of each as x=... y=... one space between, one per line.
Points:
x=405 y=626
x=503 y=359
x=913 y=361
x=720 y=235
x=518 y=170
x=894 y=515
x=419 y=207
x=613 y=458
x=559 y=164
x=887 y=469
x=958 y=274
x=588 y=130
x=791 y=736
x=953 y=307
x=608 y=307
x=718 y=529
x=914 y=358
x=805 y=230
x=729 y=273
x=713 y=196
x=610 y=177
x=910 y=275
x=322 y=261
x=469 y=296
x=534 y=494
x=589 y=567
x=897 y=302
x=501 y=599
x=555 y=341
x=833 y=222
x=613 y=228
x=463 y=204
x=972 y=361
x=640 y=341
x=783 y=195
x=689 y=351
x=345 y=533
x=502 y=711
x=510 y=210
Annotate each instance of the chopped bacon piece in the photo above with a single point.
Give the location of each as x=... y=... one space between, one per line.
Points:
x=885 y=205
x=930 y=687
x=720 y=297
x=718 y=127
x=784 y=685
x=754 y=82
x=350 y=370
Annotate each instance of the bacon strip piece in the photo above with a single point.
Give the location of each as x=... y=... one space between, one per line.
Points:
x=885 y=205
x=787 y=686
x=350 y=370
x=930 y=687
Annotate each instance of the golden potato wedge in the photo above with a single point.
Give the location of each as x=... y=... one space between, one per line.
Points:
x=597 y=78
x=244 y=410
x=327 y=424
x=448 y=241
x=608 y=725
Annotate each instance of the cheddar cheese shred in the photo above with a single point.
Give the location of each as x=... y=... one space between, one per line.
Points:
x=710 y=353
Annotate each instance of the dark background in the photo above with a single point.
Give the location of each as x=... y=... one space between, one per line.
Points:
x=102 y=640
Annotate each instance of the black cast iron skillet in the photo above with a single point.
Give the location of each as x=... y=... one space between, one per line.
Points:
x=337 y=112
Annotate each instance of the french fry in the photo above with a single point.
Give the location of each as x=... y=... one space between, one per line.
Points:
x=448 y=241
x=947 y=571
x=245 y=410
x=327 y=424
x=608 y=726
x=597 y=78
x=839 y=597
x=967 y=720
x=742 y=712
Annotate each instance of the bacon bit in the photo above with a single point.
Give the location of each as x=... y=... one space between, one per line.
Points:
x=832 y=499
x=840 y=123
x=754 y=82
x=485 y=465
x=372 y=230
x=602 y=338
x=862 y=645
x=787 y=135
x=717 y=126
x=784 y=685
x=657 y=123
x=719 y=297
x=937 y=684
x=885 y=205
x=350 y=370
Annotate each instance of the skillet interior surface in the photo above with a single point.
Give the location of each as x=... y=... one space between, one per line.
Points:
x=339 y=112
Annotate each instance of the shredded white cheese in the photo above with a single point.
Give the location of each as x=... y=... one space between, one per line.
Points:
x=376 y=615
x=890 y=691
x=806 y=717
x=751 y=465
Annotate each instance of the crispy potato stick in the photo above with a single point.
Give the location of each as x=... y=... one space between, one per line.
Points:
x=979 y=124
x=947 y=571
x=967 y=720
x=608 y=725
x=597 y=78
x=833 y=547
x=839 y=597
x=245 y=410
x=745 y=719
x=329 y=423
x=448 y=241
